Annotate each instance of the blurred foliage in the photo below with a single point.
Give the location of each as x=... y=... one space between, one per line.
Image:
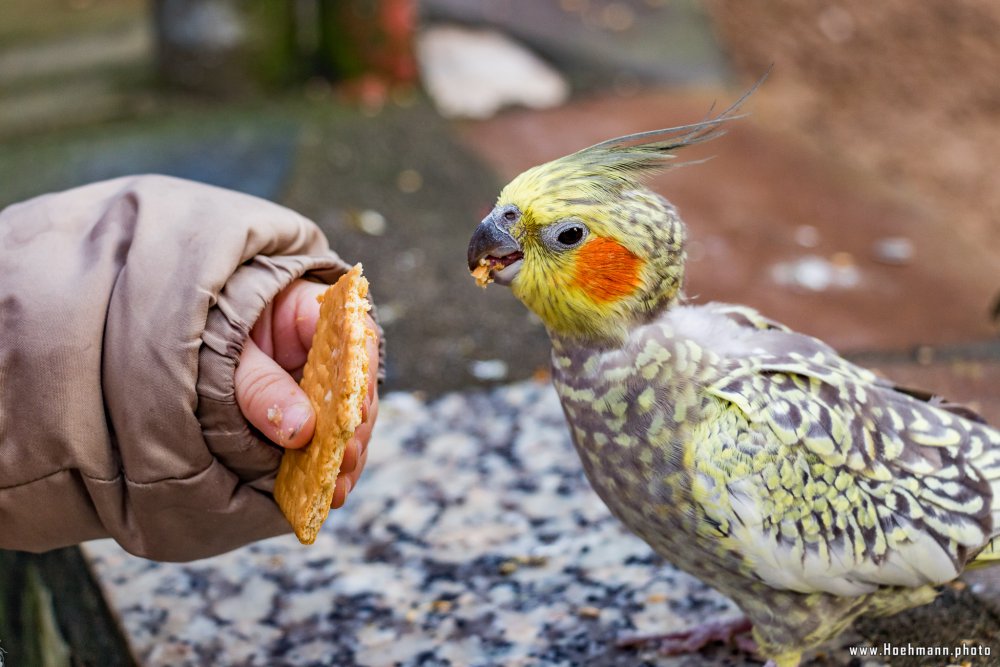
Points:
x=364 y=37
x=25 y=22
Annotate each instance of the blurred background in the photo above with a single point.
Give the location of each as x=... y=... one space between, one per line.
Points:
x=857 y=201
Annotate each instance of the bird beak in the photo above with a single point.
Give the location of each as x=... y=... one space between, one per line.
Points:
x=493 y=246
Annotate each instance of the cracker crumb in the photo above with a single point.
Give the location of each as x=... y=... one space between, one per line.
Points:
x=512 y=565
x=442 y=606
x=274 y=415
x=482 y=274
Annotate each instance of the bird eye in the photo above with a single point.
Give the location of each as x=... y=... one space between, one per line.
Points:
x=564 y=234
x=570 y=236
x=510 y=215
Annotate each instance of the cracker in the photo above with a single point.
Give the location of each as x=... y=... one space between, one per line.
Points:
x=335 y=379
x=482 y=274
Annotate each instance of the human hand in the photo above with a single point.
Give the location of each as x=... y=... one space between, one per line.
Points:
x=267 y=389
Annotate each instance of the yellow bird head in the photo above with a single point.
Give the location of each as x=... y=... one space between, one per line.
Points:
x=583 y=243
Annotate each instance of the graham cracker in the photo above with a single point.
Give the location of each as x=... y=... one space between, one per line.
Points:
x=335 y=378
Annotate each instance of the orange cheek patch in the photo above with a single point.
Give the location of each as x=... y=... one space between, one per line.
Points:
x=606 y=270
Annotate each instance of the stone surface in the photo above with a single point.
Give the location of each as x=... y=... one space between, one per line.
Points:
x=474 y=540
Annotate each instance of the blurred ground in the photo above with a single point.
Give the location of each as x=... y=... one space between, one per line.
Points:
x=905 y=93
x=857 y=203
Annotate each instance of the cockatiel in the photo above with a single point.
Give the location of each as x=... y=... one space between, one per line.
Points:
x=807 y=489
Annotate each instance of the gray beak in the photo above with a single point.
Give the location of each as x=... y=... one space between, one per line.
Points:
x=493 y=242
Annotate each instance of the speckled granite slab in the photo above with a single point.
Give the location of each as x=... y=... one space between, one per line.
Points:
x=473 y=539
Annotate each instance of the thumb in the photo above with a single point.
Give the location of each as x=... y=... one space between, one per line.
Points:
x=271 y=400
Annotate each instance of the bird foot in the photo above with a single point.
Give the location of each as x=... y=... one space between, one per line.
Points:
x=733 y=632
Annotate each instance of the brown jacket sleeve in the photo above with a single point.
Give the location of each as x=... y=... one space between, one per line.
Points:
x=123 y=310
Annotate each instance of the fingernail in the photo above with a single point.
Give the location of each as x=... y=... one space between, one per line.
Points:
x=296 y=415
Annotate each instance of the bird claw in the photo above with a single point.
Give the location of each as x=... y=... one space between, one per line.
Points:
x=733 y=632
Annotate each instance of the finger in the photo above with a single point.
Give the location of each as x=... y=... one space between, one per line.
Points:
x=358 y=443
x=362 y=434
x=352 y=454
x=293 y=322
x=355 y=458
x=271 y=400
x=345 y=482
x=356 y=452
x=340 y=491
x=364 y=431
x=356 y=475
